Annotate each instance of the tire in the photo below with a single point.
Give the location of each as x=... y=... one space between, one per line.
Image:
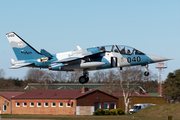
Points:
x=146 y=73
x=83 y=79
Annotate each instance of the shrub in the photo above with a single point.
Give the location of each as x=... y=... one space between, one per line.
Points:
x=107 y=112
x=113 y=112
x=118 y=111
x=99 y=112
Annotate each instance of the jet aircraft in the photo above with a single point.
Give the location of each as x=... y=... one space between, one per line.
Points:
x=94 y=58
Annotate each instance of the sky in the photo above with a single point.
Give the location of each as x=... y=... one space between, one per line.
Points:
x=151 y=26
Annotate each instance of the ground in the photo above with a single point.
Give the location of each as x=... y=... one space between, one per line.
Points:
x=67 y=117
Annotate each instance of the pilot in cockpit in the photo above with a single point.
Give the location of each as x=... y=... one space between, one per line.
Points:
x=102 y=48
x=123 y=51
x=115 y=50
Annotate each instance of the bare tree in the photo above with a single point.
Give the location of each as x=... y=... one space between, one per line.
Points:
x=39 y=76
x=111 y=81
x=128 y=81
x=58 y=76
x=73 y=77
x=99 y=76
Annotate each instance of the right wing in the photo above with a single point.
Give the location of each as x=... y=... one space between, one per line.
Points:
x=19 y=65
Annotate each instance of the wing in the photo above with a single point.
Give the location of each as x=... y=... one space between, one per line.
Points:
x=19 y=65
x=80 y=55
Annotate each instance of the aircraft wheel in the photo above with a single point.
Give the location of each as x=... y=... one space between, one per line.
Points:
x=146 y=73
x=83 y=79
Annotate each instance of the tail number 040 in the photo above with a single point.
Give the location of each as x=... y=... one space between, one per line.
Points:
x=134 y=59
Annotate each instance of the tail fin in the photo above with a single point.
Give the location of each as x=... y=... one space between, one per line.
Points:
x=22 y=49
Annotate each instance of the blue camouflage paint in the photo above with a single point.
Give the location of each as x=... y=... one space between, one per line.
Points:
x=93 y=50
x=107 y=65
x=137 y=59
x=26 y=53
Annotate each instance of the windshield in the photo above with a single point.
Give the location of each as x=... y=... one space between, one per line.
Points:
x=125 y=49
x=120 y=48
x=129 y=50
x=136 y=107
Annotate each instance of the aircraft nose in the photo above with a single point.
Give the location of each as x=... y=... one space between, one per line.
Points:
x=157 y=58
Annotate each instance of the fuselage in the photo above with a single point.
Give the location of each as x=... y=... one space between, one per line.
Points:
x=112 y=56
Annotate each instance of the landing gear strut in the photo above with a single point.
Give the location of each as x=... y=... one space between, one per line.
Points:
x=146 y=73
x=85 y=78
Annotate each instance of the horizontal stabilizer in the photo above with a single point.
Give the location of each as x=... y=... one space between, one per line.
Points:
x=20 y=65
x=47 y=54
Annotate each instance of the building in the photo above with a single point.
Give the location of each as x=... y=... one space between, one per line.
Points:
x=5 y=100
x=65 y=102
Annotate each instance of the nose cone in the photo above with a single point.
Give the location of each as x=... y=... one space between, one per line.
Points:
x=157 y=58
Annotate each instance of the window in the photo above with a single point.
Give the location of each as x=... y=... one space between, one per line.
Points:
x=105 y=106
x=4 y=108
x=46 y=104
x=125 y=49
x=31 y=104
x=17 y=104
x=68 y=105
x=38 y=104
x=60 y=104
x=53 y=104
x=107 y=48
x=112 y=106
x=25 y=104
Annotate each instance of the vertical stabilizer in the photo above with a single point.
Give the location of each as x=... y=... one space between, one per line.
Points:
x=21 y=48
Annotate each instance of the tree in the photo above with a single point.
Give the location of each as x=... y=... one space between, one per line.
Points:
x=73 y=77
x=172 y=85
x=129 y=78
x=111 y=81
x=99 y=76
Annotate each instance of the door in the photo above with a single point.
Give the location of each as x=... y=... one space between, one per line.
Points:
x=97 y=105
x=113 y=61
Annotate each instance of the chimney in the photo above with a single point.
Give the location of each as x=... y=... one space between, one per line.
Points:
x=140 y=91
x=84 y=89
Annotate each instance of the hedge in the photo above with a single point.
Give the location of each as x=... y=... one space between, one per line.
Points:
x=118 y=111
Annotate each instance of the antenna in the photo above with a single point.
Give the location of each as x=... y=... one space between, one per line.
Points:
x=160 y=67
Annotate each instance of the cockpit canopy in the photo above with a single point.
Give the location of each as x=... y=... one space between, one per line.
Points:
x=120 y=49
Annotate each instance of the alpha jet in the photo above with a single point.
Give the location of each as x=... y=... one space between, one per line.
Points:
x=94 y=58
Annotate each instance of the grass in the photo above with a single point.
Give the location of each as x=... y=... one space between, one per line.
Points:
x=162 y=110
x=83 y=117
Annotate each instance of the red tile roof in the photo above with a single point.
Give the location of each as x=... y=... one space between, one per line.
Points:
x=10 y=94
x=55 y=94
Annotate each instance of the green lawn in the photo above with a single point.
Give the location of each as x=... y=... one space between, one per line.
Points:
x=80 y=117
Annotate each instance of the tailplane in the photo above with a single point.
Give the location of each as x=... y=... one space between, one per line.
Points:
x=21 y=48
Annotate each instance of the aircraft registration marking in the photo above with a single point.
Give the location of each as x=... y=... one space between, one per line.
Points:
x=134 y=59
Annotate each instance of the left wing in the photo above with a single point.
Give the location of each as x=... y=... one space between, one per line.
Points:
x=76 y=55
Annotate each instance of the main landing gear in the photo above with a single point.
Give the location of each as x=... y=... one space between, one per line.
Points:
x=146 y=73
x=85 y=78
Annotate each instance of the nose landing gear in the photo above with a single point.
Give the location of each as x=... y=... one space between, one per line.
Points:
x=146 y=73
x=85 y=78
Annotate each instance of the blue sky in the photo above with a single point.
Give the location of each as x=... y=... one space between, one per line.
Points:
x=151 y=26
